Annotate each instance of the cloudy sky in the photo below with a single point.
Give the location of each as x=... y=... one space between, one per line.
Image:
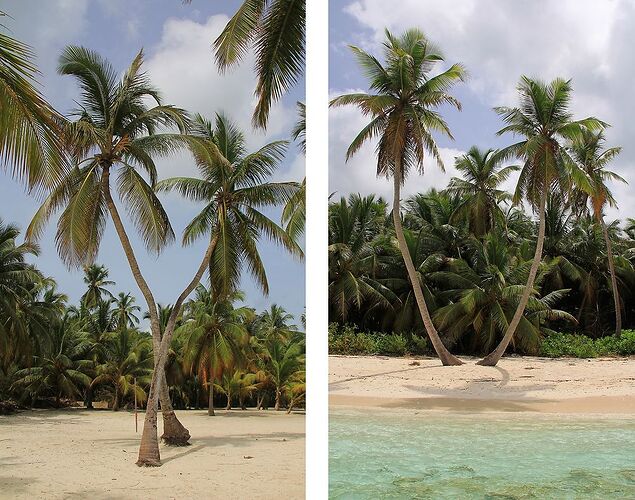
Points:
x=177 y=42
x=589 y=41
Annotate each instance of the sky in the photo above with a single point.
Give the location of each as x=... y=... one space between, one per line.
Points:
x=177 y=43
x=588 y=41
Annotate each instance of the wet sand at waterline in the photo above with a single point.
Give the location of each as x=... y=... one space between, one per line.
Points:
x=76 y=453
x=563 y=385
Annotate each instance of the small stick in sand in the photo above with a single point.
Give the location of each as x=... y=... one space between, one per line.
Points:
x=136 y=424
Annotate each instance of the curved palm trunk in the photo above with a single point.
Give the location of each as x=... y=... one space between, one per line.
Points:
x=149 y=449
x=494 y=357
x=447 y=358
x=616 y=296
x=174 y=433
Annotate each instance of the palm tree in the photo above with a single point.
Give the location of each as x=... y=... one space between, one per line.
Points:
x=275 y=31
x=237 y=383
x=284 y=363
x=544 y=120
x=234 y=189
x=589 y=151
x=17 y=279
x=96 y=279
x=484 y=295
x=214 y=334
x=403 y=112
x=62 y=369
x=125 y=309
x=480 y=189
x=355 y=259
x=30 y=145
x=116 y=133
x=276 y=322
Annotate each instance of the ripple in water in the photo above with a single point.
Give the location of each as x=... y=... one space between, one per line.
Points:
x=412 y=455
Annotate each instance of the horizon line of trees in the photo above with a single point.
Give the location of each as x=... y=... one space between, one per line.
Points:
x=54 y=353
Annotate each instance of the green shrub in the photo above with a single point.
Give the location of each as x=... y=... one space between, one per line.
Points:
x=392 y=344
x=347 y=340
x=581 y=346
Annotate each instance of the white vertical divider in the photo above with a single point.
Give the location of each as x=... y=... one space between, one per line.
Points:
x=316 y=249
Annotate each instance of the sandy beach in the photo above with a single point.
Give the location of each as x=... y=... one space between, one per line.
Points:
x=564 y=385
x=76 y=453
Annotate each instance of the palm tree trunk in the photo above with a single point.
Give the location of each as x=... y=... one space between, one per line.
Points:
x=115 y=404
x=229 y=401
x=616 y=296
x=278 y=394
x=447 y=358
x=210 y=404
x=149 y=448
x=494 y=357
x=174 y=433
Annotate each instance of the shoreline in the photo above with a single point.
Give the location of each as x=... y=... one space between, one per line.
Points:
x=518 y=384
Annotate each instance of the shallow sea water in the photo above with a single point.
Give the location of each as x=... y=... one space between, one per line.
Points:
x=395 y=454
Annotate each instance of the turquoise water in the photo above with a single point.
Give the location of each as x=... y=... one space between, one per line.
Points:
x=379 y=454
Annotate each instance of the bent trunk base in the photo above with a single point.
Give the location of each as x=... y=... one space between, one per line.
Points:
x=174 y=433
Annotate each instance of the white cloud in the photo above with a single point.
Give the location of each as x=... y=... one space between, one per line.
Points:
x=587 y=40
x=358 y=175
x=182 y=65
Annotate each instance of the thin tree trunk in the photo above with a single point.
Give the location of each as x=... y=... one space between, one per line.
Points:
x=616 y=295
x=493 y=358
x=88 y=399
x=229 y=402
x=278 y=394
x=149 y=448
x=447 y=358
x=210 y=404
x=115 y=404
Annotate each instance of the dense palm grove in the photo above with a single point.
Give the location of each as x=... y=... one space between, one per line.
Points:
x=472 y=251
x=54 y=353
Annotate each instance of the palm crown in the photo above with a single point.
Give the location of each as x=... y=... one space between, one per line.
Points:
x=234 y=188
x=115 y=131
x=403 y=106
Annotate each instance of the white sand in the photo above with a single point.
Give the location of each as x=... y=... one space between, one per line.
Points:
x=603 y=385
x=91 y=454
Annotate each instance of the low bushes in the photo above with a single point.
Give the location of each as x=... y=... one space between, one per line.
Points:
x=581 y=346
x=348 y=340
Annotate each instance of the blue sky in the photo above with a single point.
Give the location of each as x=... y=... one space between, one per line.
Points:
x=177 y=40
x=589 y=41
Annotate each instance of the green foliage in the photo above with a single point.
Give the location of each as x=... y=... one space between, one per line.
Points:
x=347 y=340
x=580 y=346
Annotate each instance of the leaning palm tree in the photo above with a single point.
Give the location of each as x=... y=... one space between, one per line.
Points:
x=403 y=111
x=545 y=122
x=479 y=189
x=234 y=189
x=588 y=150
x=115 y=133
x=30 y=140
x=275 y=31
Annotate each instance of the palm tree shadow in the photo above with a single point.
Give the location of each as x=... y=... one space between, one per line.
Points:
x=190 y=449
x=372 y=375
